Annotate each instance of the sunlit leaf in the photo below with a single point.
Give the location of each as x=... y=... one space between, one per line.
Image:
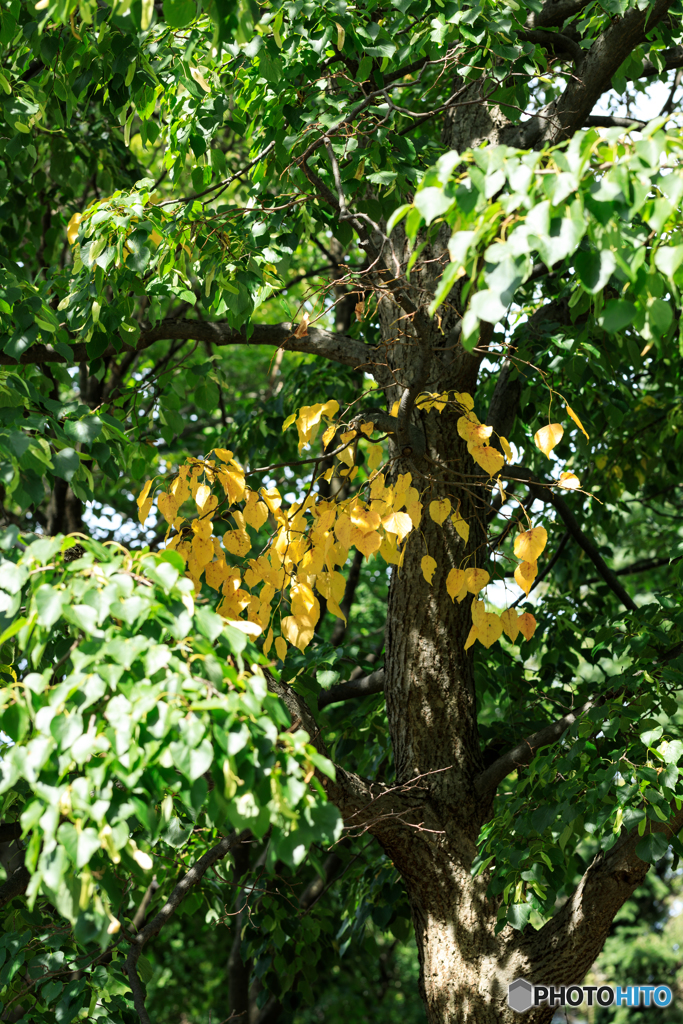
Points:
x=548 y=437
x=530 y=544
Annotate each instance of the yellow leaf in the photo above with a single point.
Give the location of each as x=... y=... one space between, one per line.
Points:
x=569 y=480
x=501 y=489
x=237 y=542
x=288 y=422
x=334 y=608
x=304 y=601
x=525 y=574
x=399 y=523
x=490 y=460
x=255 y=512
x=346 y=456
x=368 y=543
x=341 y=36
x=298 y=630
x=168 y=506
x=367 y=428
x=202 y=550
x=233 y=484
x=364 y=519
x=414 y=512
x=280 y=648
x=577 y=421
x=308 y=420
x=530 y=544
x=394 y=409
x=331 y=585
x=375 y=456
x=490 y=629
x=548 y=437
x=527 y=625
x=328 y=435
x=389 y=551
x=476 y=579
x=505 y=445
x=251 y=629
x=471 y=637
x=470 y=429
x=202 y=496
x=510 y=620
x=438 y=510
x=478 y=612
x=463 y=399
x=428 y=568
x=455 y=581
x=461 y=526
x=72 y=228
x=145 y=502
x=224 y=454
x=272 y=498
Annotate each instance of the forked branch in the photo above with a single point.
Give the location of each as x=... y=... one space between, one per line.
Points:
x=182 y=889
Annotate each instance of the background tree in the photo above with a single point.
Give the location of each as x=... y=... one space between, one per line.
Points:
x=407 y=222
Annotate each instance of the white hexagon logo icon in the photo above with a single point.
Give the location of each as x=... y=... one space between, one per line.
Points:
x=520 y=995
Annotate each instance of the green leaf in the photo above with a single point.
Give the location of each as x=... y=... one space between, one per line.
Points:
x=84 y=431
x=179 y=13
x=192 y=763
x=518 y=915
x=619 y=313
x=652 y=847
x=594 y=269
x=432 y=203
x=210 y=624
x=49 y=602
x=668 y=259
x=66 y=464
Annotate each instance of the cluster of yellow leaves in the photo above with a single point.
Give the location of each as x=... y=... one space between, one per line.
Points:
x=310 y=541
x=308 y=420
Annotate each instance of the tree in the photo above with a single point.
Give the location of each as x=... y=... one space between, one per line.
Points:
x=480 y=279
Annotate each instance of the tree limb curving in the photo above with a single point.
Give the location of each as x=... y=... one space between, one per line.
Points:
x=336 y=347
x=365 y=686
x=524 y=753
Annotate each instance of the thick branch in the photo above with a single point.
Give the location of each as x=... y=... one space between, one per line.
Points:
x=554 y=13
x=525 y=752
x=555 y=42
x=339 y=348
x=182 y=889
x=546 y=494
x=594 y=73
x=607 y=121
x=641 y=566
x=362 y=687
x=671 y=58
x=569 y=943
